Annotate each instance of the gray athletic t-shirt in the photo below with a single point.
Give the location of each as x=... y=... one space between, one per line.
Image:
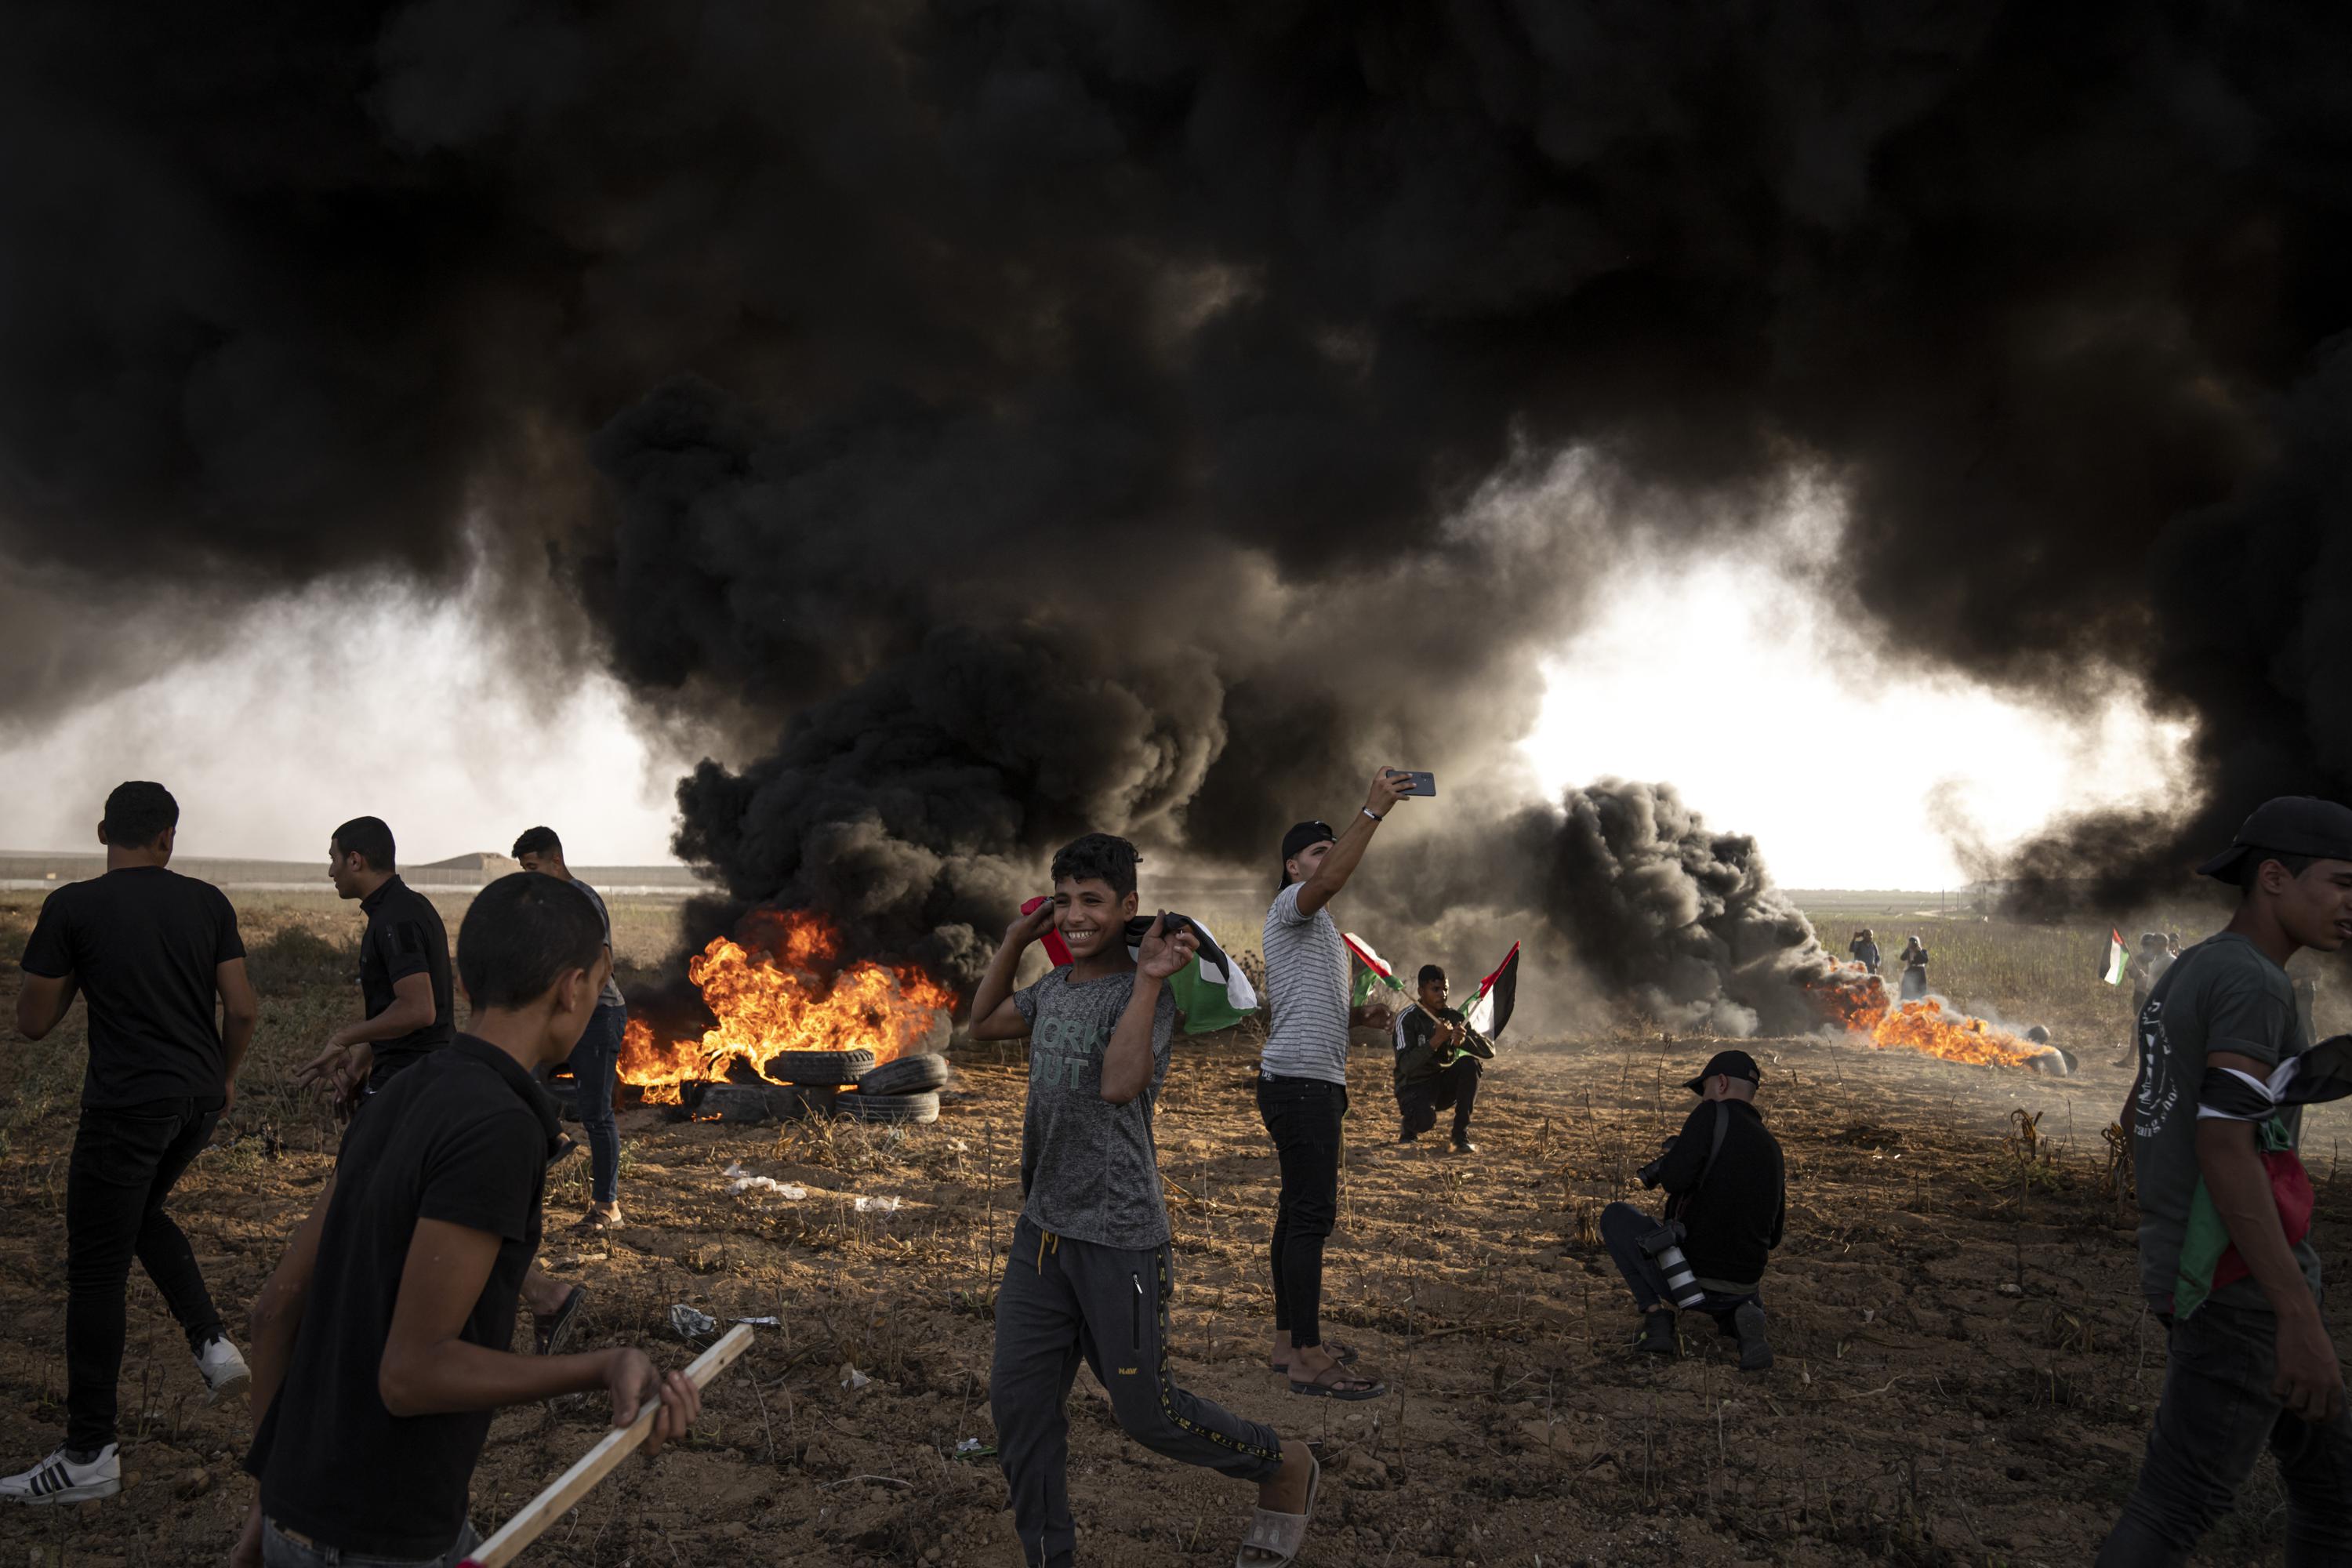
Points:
x=1306 y=993
x=1088 y=1168
x=2223 y=994
x=611 y=995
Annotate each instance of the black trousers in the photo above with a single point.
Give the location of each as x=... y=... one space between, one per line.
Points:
x=2215 y=1417
x=1455 y=1089
x=1302 y=1114
x=123 y=1166
x=1622 y=1226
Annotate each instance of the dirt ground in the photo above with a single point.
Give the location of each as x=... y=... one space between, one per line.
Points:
x=1963 y=1374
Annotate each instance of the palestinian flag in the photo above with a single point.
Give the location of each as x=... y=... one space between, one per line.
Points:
x=1374 y=978
x=1490 y=1009
x=1212 y=991
x=2117 y=959
x=2208 y=1259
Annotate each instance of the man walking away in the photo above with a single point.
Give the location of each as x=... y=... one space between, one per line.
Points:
x=1726 y=1206
x=2225 y=1263
x=404 y=967
x=597 y=1059
x=1438 y=1060
x=1302 y=1090
x=150 y=949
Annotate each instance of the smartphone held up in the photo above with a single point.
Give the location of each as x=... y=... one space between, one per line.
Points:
x=1417 y=783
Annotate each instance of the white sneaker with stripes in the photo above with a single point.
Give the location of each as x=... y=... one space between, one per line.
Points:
x=58 y=1478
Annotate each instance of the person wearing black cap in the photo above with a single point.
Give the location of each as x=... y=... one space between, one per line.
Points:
x=1726 y=1206
x=1302 y=1088
x=2215 y=1115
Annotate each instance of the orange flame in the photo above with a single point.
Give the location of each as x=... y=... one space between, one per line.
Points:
x=774 y=999
x=1858 y=1000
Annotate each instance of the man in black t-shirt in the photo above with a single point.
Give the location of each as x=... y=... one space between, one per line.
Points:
x=370 y=1428
x=150 y=949
x=404 y=967
x=1723 y=1176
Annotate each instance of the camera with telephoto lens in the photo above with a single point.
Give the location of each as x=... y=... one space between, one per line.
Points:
x=1664 y=1246
x=1651 y=1174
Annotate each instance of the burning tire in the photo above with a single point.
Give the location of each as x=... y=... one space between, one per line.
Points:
x=818 y=1067
x=907 y=1075
x=920 y=1107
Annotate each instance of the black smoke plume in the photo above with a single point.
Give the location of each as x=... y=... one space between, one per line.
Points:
x=1182 y=341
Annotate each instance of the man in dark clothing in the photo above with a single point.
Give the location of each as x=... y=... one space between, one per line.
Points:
x=1723 y=1177
x=404 y=967
x=151 y=951
x=596 y=1060
x=2215 y=1108
x=370 y=1428
x=1438 y=1059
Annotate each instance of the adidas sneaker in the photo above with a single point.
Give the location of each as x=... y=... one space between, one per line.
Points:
x=225 y=1373
x=60 y=1479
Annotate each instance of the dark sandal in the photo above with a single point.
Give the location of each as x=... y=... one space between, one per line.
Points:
x=1336 y=1382
x=554 y=1333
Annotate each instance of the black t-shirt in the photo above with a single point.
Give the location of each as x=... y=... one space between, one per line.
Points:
x=1734 y=1215
x=405 y=937
x=462 y=1137
x=142 y=943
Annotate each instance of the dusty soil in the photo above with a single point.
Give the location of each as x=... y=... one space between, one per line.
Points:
x=1964 y=1373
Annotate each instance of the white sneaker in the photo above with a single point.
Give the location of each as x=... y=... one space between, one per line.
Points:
x=225 y=1373
x=58 y=1479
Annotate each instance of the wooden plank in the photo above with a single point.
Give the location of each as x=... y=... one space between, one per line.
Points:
x=564 y=1493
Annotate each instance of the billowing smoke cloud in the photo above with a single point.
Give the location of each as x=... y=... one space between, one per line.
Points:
x=1178 y=341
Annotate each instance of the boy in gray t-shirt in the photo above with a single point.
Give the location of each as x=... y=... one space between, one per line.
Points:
x=1091 y=1273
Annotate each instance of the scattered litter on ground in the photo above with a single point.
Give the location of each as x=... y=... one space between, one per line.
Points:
x=973 y=1448
x=853 y=1378
x=690 y=1324
x=880 y=1206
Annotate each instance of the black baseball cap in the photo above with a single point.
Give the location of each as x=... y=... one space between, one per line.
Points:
x=2291 y=825
x=1306 y=834
x=1730 y=1064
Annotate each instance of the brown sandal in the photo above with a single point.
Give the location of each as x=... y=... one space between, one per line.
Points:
x=1337 y=1380
x=1343 y=1354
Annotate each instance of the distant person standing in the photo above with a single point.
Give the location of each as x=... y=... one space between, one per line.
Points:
x=1302 y=1090
x=1915 y=970
x=596 y=1060
x=2143 y=968
x=1864 y=949
x=2226 y=1258
x=151 y=951
x=404 y=967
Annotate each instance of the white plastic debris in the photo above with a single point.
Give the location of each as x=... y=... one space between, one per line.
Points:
x=878 y=1205
x=969 y=1446
x=690 y=1324
x=745 y=1181
x=853 y=1378
x=760 y=1322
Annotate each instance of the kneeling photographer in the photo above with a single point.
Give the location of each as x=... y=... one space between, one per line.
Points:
x=1725 y=1207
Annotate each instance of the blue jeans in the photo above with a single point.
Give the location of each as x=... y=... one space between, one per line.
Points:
x=2216 y=1417
x=279 y=1550
x=594 y=1061
x=1622 y=1226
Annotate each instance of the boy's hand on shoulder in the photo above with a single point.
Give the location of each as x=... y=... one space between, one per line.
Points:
x=634 y=1382
x=1027 y=929
x=1161 y=955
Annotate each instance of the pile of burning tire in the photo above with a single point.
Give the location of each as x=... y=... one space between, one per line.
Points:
x=817 y=1084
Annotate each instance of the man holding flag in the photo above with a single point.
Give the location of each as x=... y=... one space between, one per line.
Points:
x=1441 y=1052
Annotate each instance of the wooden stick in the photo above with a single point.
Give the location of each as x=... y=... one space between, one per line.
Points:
x=598 y=1462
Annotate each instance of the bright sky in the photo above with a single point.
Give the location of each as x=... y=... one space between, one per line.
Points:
x=1726 y=677
x=1732 y=680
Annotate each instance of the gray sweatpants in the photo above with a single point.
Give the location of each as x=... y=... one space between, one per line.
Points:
x=1061 y=1300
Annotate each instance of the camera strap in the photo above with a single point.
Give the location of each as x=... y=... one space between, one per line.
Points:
x=1714 y=1145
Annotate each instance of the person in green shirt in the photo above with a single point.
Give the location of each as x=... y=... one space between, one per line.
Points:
x=2225 y=1263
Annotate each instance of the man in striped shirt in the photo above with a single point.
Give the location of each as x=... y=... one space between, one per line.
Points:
x=1302 y=1090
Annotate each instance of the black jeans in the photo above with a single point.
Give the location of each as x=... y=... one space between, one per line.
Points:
x=1455 y=1089
x=1622 y=1226
x=2213 y=1421
x=1304 y=1115
x=123 y=1166
x=595 y=1061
